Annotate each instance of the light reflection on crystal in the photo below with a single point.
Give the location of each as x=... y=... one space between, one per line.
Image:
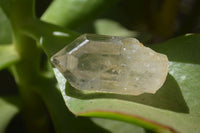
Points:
x=111 y=64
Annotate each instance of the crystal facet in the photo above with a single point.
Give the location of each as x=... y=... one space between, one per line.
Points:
x=111 y=64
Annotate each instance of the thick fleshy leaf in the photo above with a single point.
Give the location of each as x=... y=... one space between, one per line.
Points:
x=9 y=107
x=8 y=55
x=174 y=108
x=71 y=13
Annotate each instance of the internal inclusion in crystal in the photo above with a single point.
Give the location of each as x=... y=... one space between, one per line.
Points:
x=109 y=64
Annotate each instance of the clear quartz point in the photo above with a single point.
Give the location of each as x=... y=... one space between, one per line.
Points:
x=109 y=64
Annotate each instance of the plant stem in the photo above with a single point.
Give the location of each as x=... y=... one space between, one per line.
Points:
x=26 y=70
x=25 y=73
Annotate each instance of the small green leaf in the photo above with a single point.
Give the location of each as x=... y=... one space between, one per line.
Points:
x=8 y=55
x=9 y=107
x=109 y=27
x=174 y=108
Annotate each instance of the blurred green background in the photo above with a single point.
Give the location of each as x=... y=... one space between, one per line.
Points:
x=151 y=21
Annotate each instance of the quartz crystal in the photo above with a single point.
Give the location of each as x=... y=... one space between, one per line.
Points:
x=109 y=64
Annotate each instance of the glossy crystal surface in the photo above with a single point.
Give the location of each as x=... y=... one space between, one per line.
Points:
x=111 y=64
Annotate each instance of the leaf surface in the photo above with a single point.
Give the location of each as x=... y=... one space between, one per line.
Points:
x=9 y=107
x=70 y=13
x=8 y=55
x=174 y=108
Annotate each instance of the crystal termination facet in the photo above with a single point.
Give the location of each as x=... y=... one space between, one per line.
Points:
x=109 y=64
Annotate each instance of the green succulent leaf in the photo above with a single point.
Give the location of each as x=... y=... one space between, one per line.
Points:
x=9 y=108
x=71 y=13
x=8 y=55
x=174 y=108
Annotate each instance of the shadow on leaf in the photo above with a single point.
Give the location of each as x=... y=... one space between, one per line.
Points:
x=168 y=97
